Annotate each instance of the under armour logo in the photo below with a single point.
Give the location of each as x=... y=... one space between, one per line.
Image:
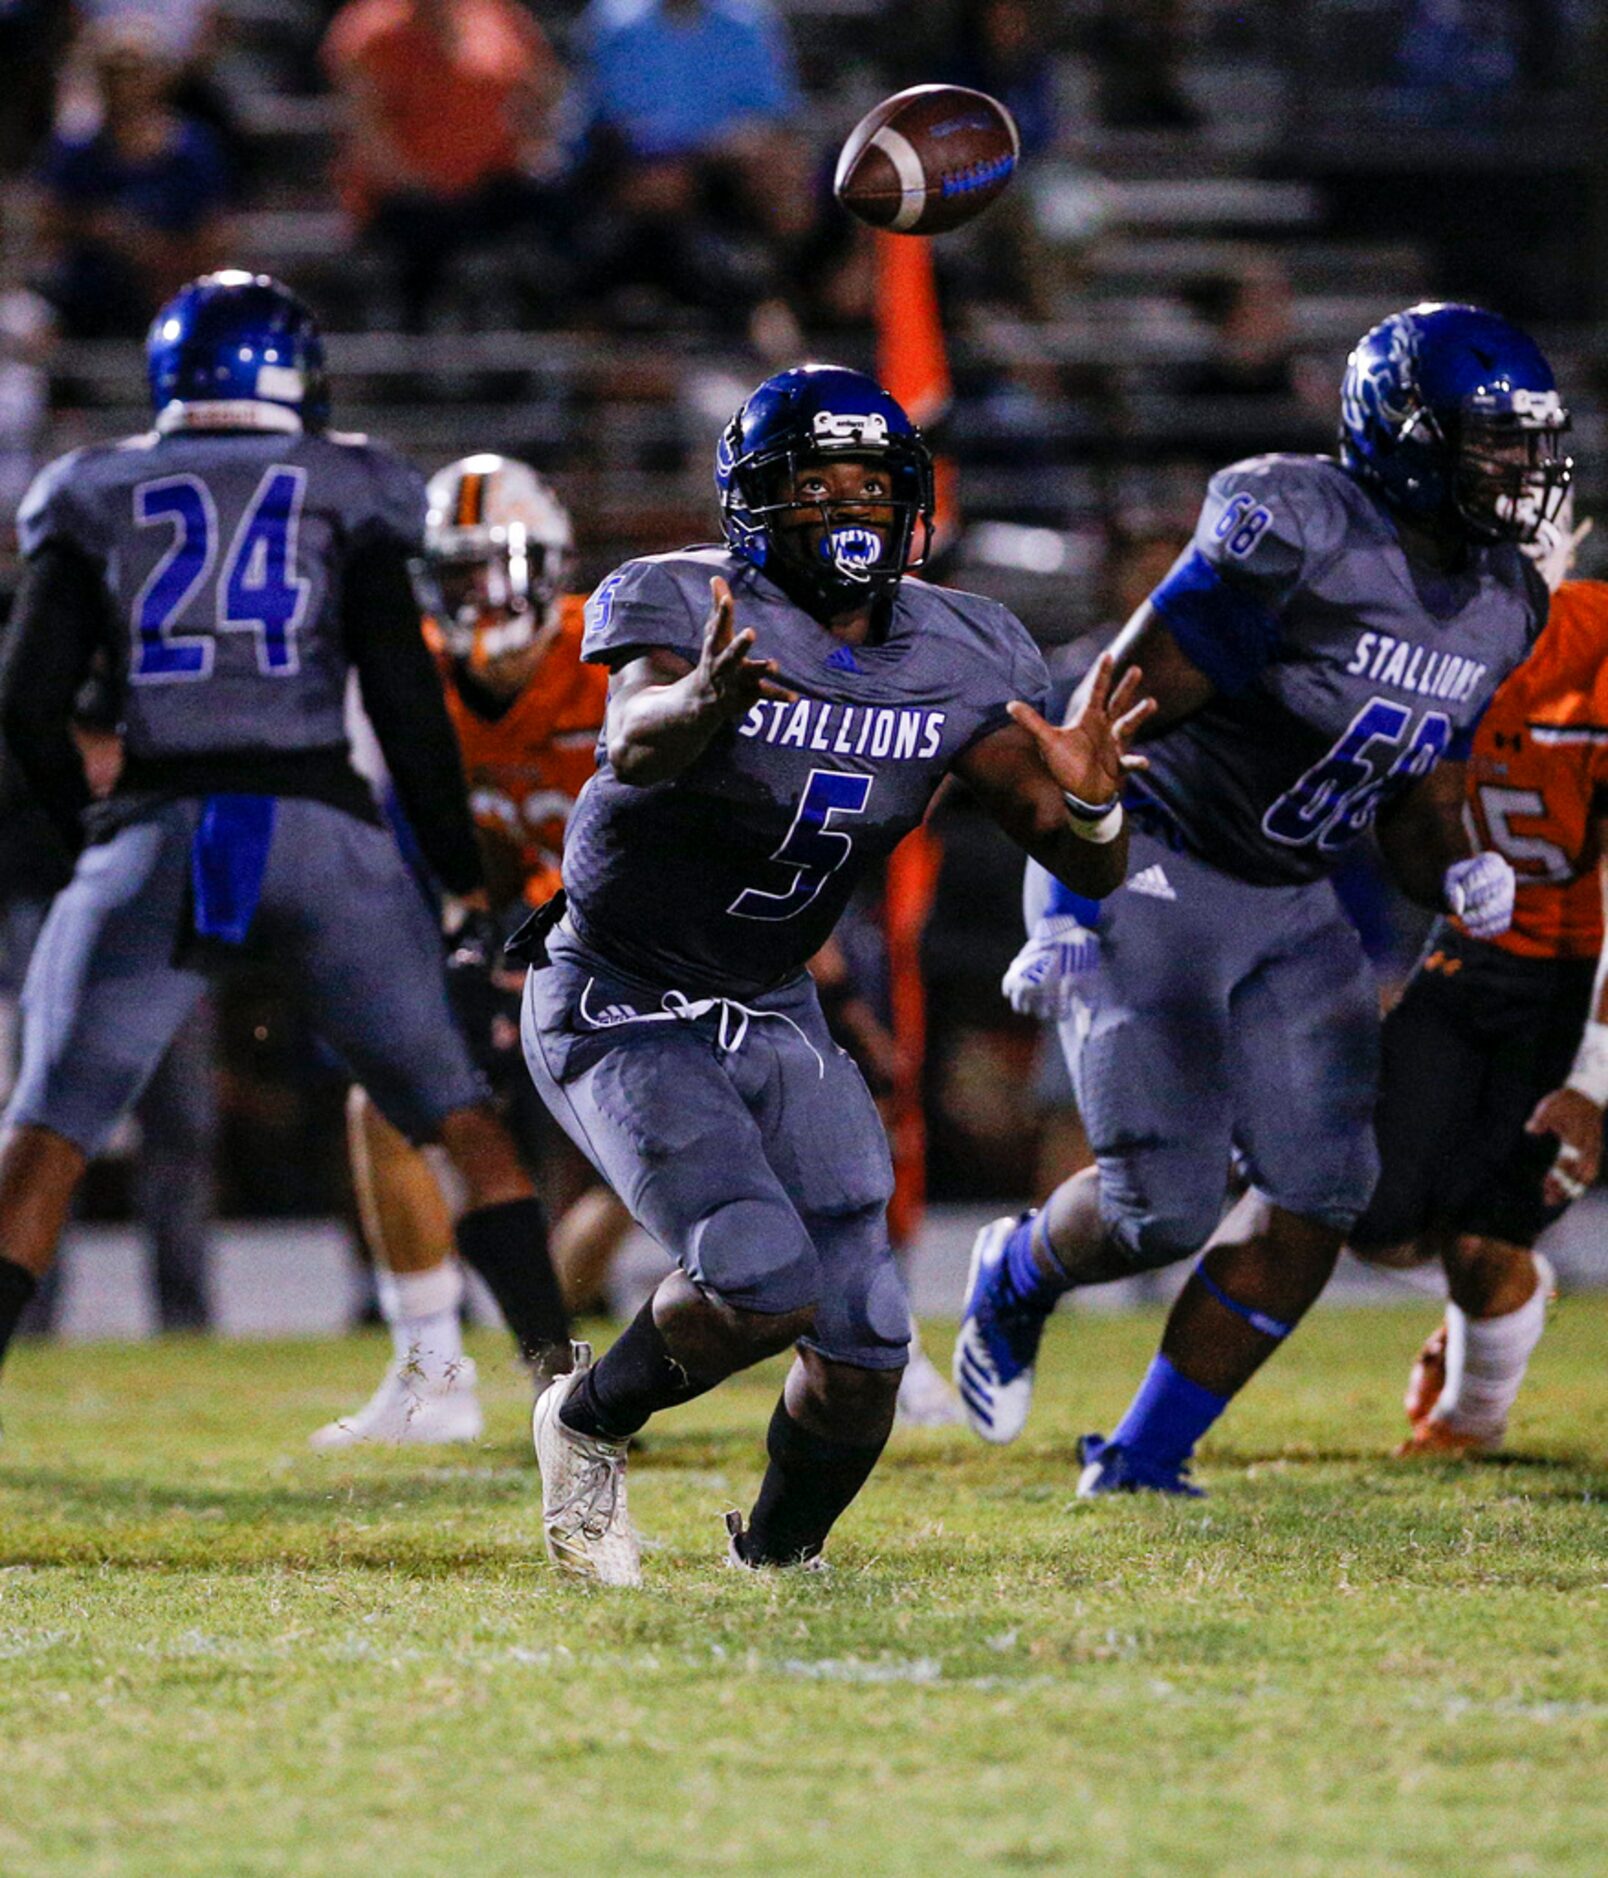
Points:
x=1442 y=962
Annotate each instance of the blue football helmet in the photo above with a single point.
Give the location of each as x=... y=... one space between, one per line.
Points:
x=1452 y=411
x=236 y=351
x=826 y=555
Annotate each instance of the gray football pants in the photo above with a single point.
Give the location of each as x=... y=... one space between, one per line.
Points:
x=103 y=997
x=740 y=1136
x=1222 y=1017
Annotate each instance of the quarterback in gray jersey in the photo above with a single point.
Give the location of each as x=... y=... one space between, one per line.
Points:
x=1320 y=655
x=781 y=710
x=229 y=570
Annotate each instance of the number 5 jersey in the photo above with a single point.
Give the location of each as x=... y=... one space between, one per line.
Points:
x=1538 y=774
x=1343 y=671
x=730 y=876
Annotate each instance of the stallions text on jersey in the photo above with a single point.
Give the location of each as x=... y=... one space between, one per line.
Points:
x=1342 y=671
x=734 y=875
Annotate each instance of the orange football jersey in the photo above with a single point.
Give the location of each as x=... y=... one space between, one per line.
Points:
x=1540 y=758
x=526 y=768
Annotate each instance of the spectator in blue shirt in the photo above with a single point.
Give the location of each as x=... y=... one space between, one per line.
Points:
x=702 y=185
x=679 y=78
x=134 y=208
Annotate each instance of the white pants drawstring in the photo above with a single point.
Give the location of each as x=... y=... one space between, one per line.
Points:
x=731 y=1029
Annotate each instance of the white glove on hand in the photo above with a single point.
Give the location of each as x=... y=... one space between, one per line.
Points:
x=1042 y=980
x=1480 y=892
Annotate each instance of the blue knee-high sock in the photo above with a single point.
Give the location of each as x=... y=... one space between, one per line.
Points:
x=1027 y=1252
x=1167 y=1417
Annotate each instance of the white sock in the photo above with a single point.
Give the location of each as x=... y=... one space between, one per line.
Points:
x=422 y=1311
x=1486 y=1358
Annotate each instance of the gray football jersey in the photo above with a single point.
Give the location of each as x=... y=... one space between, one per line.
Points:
x=728 y=877
x=222 y=557
x=1343 y=671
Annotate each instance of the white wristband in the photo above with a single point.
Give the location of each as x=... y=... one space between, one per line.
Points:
x=1094 y=824
x=1590 y=1073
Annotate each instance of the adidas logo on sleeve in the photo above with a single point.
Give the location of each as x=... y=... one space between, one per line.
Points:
x=1153 y=882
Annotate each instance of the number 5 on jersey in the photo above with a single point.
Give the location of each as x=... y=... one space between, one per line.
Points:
x=814 y=850
x=1534 y=857
x=258 y=591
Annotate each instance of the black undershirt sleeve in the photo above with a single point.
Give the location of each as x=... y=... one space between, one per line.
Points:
x=402 y=696
x=57 y=624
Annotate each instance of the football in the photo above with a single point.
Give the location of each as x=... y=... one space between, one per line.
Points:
x=928 y=159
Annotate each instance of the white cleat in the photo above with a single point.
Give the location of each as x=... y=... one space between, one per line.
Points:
x=584 y=1514
x=411 y=1409
x=925 y=1399
x=998 y=1343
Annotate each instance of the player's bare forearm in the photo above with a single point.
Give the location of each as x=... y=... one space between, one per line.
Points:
x=1178 y=687
x=657 y=726
x=1056 y=788
x=1086 y=868
x=1035 y=816
x=1009 y=777
x=664 y=711
x=1423 y=833
x=1573 y=1112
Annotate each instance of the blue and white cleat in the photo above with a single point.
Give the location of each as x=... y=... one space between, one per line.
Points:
x=1108 y=1467
x=998 y=1341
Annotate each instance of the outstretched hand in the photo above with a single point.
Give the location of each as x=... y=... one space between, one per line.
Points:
x=1089 y=756
x=729 y=681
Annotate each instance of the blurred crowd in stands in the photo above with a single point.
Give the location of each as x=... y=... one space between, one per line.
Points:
x=578 y=232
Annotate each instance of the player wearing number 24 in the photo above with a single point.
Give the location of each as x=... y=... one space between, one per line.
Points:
x=231 y=567
x=782 y=708
x=1320 y=656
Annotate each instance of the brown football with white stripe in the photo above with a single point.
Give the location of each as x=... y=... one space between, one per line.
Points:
x=928 y=159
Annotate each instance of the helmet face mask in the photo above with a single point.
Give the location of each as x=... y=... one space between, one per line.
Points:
x=1556 y=543
x=498 y=552
x=834 y=550
x=858 y=542
x=1451 y=414
x=1512 y=476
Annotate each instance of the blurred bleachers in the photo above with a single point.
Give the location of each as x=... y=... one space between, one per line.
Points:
x=1096 y=399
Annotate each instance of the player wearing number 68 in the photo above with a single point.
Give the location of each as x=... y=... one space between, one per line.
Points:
x=782 y=708
x=1320 y=656
x=231 y=568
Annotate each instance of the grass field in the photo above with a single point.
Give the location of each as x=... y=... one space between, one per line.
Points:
x=221 y=1655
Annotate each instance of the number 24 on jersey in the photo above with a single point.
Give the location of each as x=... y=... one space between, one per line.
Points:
x=257 y=590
